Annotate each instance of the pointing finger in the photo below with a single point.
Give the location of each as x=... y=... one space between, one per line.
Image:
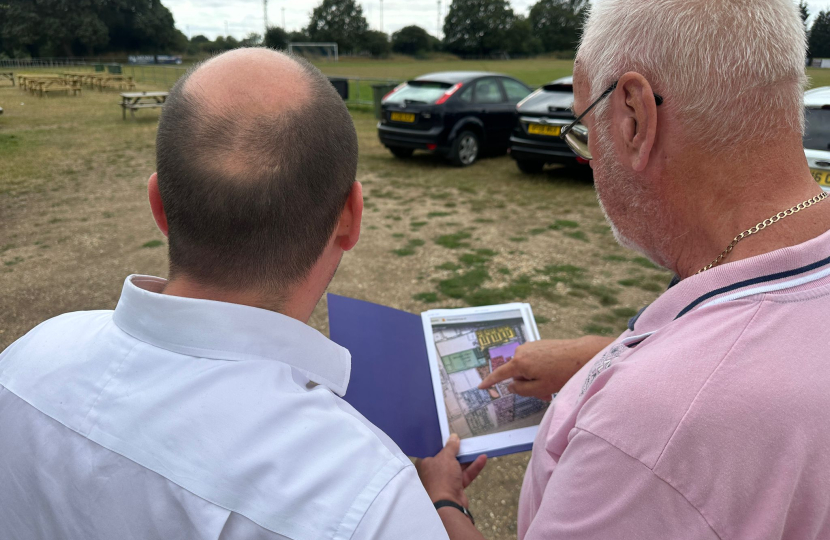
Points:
x=508 y=370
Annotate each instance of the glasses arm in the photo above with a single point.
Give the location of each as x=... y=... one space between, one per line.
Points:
x=658 y=100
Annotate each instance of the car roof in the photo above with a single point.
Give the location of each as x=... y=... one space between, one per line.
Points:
x=452 y=77
x=564 y=80
x=817 y=97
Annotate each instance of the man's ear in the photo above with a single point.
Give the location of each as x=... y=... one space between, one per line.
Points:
x=634 y=113
x=348 y=229
x=155 y=203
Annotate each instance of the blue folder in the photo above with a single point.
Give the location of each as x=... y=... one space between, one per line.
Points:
x=391 y=383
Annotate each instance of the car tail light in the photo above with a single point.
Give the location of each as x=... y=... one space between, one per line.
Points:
x=582 y=160
x=393 y=91
x=432 y=146
x=448 y=94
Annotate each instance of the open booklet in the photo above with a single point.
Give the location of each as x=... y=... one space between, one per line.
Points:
x=466 y=345
x=416 y=377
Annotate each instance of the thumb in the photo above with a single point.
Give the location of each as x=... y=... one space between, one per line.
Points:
x=452 y=447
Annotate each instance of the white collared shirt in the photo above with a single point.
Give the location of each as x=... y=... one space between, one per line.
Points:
x=182 y=418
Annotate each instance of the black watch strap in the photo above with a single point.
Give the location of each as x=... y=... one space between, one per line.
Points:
x=445 y=503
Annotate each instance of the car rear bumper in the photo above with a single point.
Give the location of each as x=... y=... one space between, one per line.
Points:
x=553 y=151
x=410 y=138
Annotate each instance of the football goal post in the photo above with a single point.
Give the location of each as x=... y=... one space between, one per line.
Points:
x=329 y=51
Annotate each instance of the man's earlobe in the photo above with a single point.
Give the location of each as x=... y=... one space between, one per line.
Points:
x=156 y=204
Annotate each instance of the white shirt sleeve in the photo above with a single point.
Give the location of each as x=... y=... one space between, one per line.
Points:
x=403 y=511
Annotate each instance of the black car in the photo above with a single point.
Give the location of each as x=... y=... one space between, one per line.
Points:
x=541 y=116
x=457 y=114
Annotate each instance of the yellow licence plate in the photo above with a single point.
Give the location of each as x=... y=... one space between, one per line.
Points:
x=403 y=117
x=539 y=129
x=822 y=177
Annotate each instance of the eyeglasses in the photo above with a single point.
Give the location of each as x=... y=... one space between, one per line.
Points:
x=576 y=135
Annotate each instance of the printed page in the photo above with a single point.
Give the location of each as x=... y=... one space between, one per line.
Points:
x=465 y=345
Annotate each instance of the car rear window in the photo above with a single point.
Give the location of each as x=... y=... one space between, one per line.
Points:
x=543 y=97
x=419 y=92
x=817 y=134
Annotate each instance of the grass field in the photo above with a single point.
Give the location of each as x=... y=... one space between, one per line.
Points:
x=74 y=222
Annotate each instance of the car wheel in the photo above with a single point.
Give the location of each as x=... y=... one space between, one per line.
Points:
x=465 y=149
x=401 y=152
x=530 y=166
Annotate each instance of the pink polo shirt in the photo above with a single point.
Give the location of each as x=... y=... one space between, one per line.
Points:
x=710 y=419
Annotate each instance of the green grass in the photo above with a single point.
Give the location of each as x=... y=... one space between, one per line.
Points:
x=409 y=248
x=438 y=214
x=426 y=297
x=577 y=235
x=454 y=240
x=465 y=284
x=561 y=224
x=479 y=257
x=152 y=244
x=645 y=263
x=534 y=71
x=598 y=330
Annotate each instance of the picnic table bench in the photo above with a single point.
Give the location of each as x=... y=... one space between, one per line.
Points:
x=7 y=75
x=44 y=84
x=141 y=100
x=113 y=81
x=55 y=84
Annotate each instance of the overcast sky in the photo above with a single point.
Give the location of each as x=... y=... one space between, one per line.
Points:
x=209 y=17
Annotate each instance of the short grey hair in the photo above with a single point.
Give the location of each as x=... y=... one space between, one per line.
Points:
x=732 y=70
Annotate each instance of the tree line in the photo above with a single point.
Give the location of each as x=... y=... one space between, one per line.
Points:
x=471 y=28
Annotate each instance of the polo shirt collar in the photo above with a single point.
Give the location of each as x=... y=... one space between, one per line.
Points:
x=777 y=266
x=224 y=331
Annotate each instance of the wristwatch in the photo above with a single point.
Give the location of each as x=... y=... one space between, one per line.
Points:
x=466 y=512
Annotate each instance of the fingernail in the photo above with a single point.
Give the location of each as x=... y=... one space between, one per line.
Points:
x=453 y=437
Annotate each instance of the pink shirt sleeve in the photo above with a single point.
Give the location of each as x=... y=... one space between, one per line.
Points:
x=598 y=491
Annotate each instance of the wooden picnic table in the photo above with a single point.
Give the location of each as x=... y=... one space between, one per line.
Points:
x=113 y=81
x=58 y=84
x=32 y=82
x=141 y=100
x=7 y=75
x=74 y=76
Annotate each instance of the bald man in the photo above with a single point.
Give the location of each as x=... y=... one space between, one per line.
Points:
x=204 y=407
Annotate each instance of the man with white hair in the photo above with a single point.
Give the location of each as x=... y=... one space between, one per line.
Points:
x=708 y=418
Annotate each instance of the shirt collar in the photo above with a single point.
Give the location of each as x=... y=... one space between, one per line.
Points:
x=224 y=331
x=772 y=267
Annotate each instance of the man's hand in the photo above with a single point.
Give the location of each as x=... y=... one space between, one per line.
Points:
x=446 y=479
x=541 y=368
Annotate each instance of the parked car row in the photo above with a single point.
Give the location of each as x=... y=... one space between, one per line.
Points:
x=463 y=114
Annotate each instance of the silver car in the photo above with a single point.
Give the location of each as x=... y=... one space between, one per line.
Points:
x=817 y=134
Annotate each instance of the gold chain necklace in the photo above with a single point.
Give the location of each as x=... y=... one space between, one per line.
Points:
x=763 y=225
